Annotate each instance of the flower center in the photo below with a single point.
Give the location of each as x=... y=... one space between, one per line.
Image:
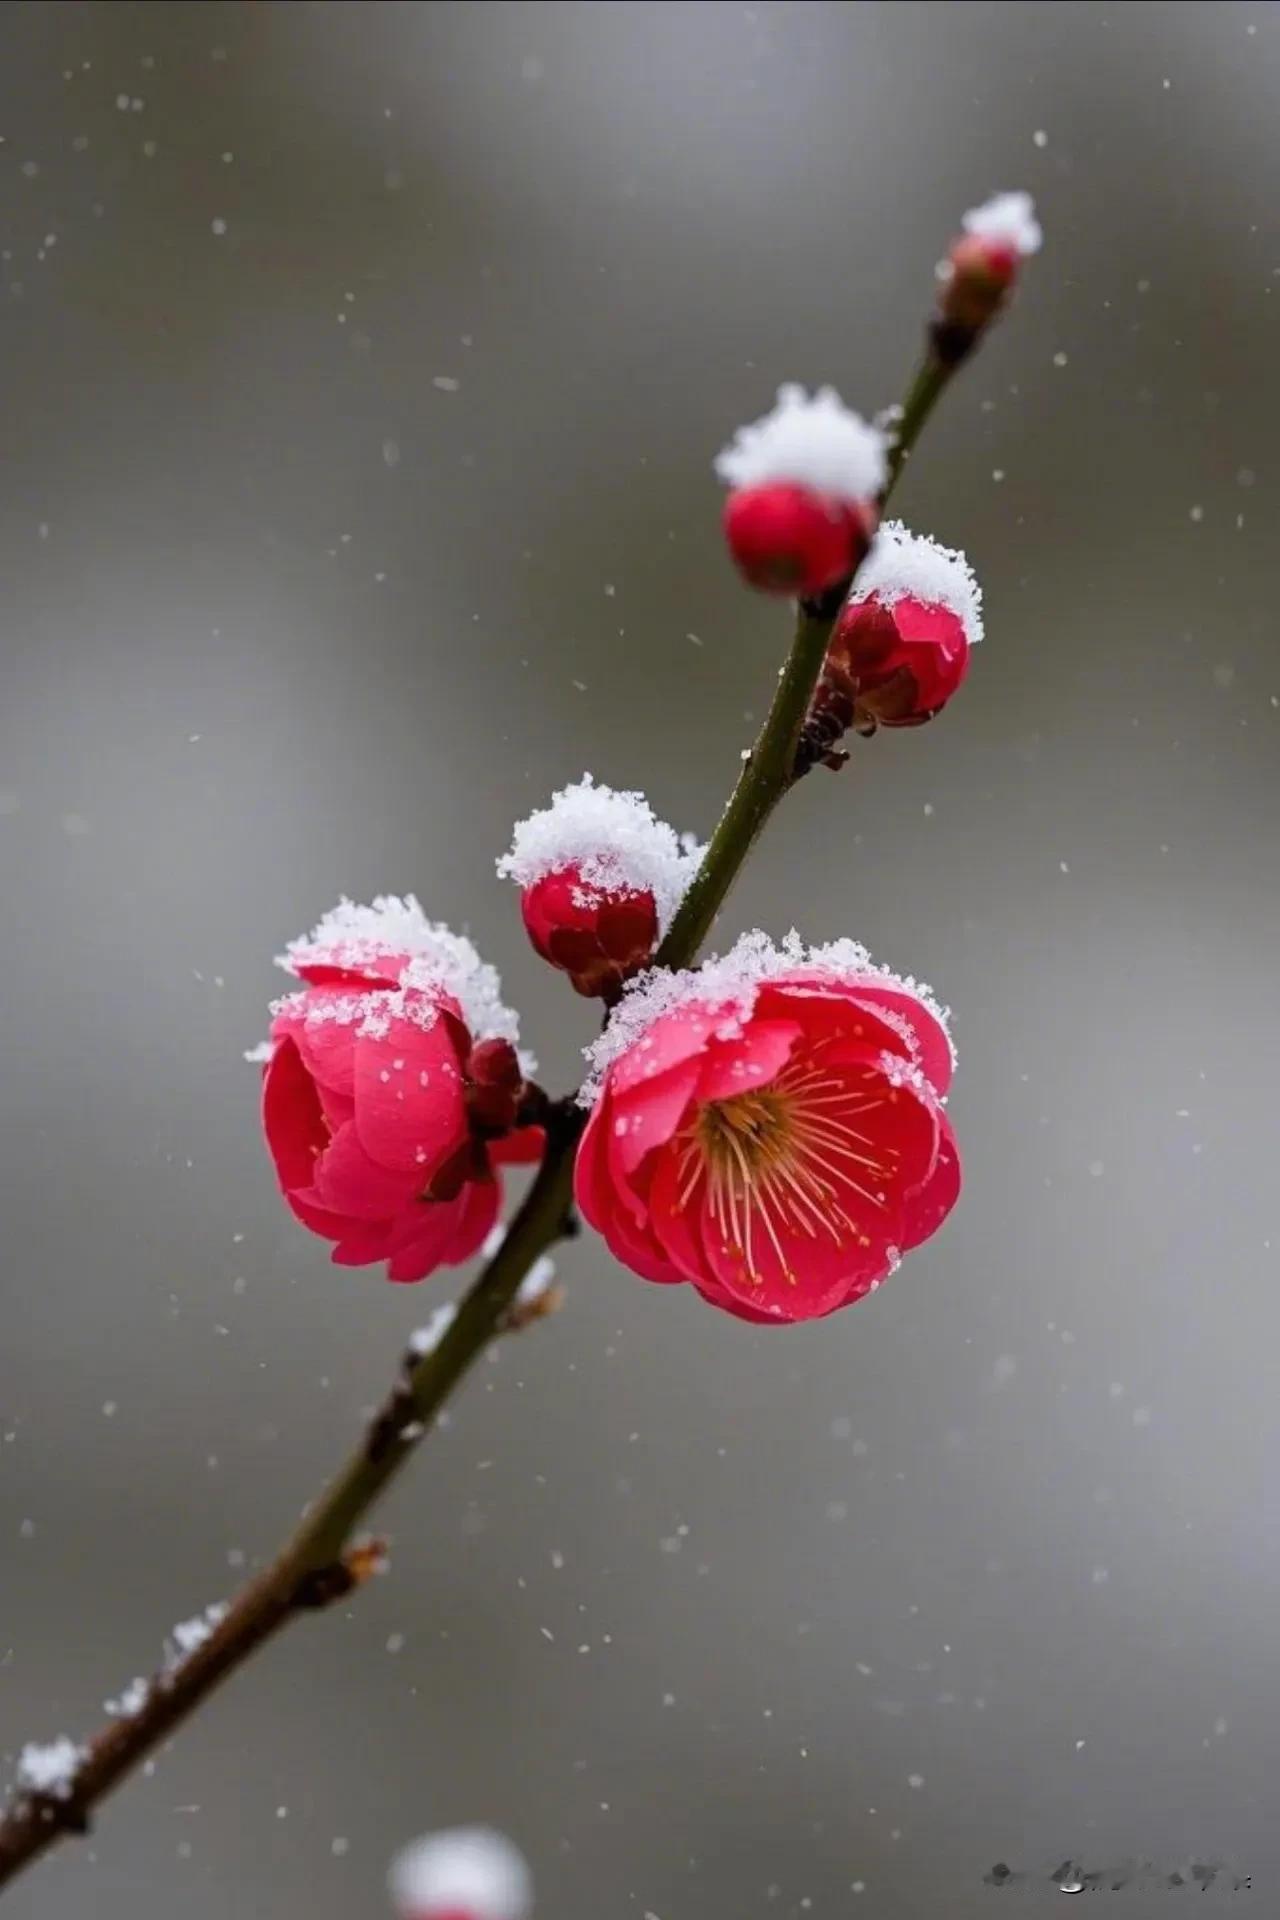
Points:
x=787 y=1160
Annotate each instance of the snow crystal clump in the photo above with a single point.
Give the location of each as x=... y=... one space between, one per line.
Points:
x=427 y=956
x=536 y=1282
x=816 y=442
x=1009 y=219
x=426 y=1339
x=727 y=986
x=50 y=1769
x=913 y=566
x=261 y=1054
x=471 y=1870
x=132 y=1700
x=614 y=839
x=191 y=1634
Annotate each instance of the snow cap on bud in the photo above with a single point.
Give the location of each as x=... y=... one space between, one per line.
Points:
x=804 y=480
x=600 y=877
x=470 y=1873
x=901 y=645
x=983 y=263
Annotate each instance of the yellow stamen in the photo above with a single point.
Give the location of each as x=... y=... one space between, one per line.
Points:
x=784 y=1159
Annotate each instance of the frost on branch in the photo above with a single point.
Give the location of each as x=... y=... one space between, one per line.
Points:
x=537 y=1293
x=426 y=1338
x=130 y=1700
x=470 y=1872
x=50 y=1769
x=190 y=1635
x=816 y=442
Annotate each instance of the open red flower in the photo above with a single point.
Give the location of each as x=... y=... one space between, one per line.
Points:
x=902 y=642
x=600 y=877
x=770 y=1128
x=392 y=1092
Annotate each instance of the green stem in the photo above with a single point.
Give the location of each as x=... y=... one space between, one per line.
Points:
x=765 y=777
x=482 y=1314
x=931 y=380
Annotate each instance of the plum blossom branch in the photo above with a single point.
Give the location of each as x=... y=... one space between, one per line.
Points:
x=320 y=1564
x=770 y=768
x=60 y=1785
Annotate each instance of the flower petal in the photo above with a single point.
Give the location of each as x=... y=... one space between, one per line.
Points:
x=646 y=1117
x=292 y=1118
x=925 y=1210
x=408 y=1088
x=736 y=1066
x=347 y=1180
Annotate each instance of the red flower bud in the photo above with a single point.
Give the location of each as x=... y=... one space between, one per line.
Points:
x=787 y=539
x=983 y=264
x=495 y=1084
x=805 y=479
x=600 y=878
x=598 y=935
x=901 y=644
x=904 y=661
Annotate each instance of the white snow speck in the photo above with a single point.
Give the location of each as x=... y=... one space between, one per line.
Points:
x=218 y=226
x=470 y=1870
x=51 y=1768
x=189 y=1635
x=427 y=1338
x=615 y=840
x=258 y=1056
x=1009 y=218
x=536 y=1282
x=818 y=443
x=132 y=1699
x=913 y=566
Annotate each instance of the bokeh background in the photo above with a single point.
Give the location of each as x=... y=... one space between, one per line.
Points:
x=362 y=369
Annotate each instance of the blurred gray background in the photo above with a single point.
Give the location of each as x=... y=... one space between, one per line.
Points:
x=362 y=369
